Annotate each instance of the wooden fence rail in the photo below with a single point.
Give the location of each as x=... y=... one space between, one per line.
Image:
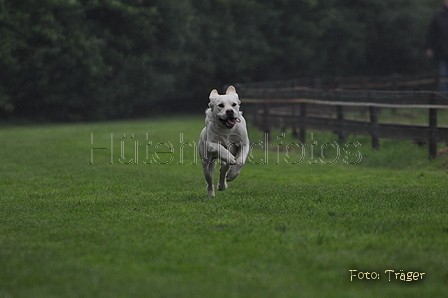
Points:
x=327 y=110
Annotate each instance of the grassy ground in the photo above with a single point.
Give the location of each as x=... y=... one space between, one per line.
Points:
x=127 y=222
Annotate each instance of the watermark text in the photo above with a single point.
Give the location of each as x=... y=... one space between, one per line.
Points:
x=130 y=149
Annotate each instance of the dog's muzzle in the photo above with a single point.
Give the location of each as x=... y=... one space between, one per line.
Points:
x=230 y=122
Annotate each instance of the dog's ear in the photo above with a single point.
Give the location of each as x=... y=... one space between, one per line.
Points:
x=213 y=95
x=231 y=90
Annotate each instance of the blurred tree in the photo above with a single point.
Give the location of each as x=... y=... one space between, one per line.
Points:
x=71 y=60
x=372 y=37
x=86 y=59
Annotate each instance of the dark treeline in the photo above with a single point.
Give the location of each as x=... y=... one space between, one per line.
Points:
x=87 y=60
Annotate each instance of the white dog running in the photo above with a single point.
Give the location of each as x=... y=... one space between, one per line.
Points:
x=224 y=137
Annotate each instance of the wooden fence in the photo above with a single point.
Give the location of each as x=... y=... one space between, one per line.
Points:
x=332 y=110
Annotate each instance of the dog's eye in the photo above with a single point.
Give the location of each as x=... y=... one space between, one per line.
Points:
x=234 y=104
x=221 y=105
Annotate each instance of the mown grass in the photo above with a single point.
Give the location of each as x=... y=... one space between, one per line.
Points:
x=284 y=228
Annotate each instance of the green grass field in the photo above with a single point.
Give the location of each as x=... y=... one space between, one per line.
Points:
x=134 y=220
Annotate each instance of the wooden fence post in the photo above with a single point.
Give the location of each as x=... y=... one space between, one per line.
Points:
x=293 y=121
x=432 y=131
x=374 y=127
x=341 y=124
x=256 y=120
x=266 y=121
x=302 y=123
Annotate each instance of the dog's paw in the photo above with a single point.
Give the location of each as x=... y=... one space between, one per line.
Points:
x=211 y=191
x=222 y=187
x=231 y=161
x=233 y=173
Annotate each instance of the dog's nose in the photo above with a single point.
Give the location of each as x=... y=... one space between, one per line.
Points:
x=229 y=112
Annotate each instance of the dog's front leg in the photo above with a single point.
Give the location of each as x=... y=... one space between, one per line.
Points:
x=209 y=170
x=218 y=150
x=236 y=169
x=222 y=184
